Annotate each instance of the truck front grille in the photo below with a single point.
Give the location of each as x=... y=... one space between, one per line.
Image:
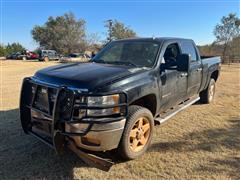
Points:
x=42 y=98
x=66 y=98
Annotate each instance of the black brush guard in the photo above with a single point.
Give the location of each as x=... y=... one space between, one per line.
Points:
x=59 y=139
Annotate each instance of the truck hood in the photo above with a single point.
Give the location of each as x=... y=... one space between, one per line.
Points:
x=85 y=75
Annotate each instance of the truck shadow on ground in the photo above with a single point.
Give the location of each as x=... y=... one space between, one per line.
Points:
x=213 y=141
x=24 y=157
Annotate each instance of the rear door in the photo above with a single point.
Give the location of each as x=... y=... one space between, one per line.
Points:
x=195 y=69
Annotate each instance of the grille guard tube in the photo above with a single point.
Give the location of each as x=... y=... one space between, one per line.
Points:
x=60 y=139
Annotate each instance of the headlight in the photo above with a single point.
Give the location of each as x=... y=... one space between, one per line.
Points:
x=103 y=100
x=97 y=106
x=110 y=100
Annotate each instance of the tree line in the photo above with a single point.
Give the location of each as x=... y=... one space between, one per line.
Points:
x=67 y=34
x=10 y=48
x=227 y=42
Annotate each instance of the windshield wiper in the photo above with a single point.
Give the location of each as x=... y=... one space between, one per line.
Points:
x=124 y=62
x=98 y=61
x=113 y=62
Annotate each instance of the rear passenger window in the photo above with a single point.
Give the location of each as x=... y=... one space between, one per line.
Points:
x=188 y=48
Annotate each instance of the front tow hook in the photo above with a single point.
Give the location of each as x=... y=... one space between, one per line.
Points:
x=60 y=142
x=90 y=159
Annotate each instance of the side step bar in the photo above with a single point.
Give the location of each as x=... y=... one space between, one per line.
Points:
x=173 y=112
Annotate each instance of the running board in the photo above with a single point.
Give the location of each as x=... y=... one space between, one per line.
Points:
x=176 y=110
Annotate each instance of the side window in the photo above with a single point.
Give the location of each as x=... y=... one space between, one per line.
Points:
x=170 y=54
x=188 y=48
x=50 y=53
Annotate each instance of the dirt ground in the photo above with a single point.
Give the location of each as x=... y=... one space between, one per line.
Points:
x=200 y=142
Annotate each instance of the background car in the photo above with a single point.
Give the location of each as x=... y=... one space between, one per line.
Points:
x=47 y=55
x=30 y=55
x=15 y=55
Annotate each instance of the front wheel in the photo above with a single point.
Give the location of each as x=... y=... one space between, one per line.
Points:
x=207 y=95
x=137 y=134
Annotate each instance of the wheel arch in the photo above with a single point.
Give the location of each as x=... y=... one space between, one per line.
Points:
x=148 y=101
x=215 y=75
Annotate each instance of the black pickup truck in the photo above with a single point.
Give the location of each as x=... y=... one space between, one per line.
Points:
x=114 y=101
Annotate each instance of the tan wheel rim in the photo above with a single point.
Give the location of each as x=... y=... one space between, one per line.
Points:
x=211 y=92
x=139 y=134
x=46 y=59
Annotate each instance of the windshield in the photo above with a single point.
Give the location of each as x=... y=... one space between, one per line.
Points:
x=140 y=54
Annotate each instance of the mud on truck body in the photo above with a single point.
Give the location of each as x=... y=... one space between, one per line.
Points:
x=114 y=101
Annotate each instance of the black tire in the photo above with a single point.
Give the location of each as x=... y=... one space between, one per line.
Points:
x=135 y=113
x=207 y=95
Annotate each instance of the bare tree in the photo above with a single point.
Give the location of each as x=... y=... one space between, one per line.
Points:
x=93 y=38
x=226 y=31
x=117 y=30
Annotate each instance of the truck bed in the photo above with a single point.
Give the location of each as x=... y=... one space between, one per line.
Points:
x=211 y=60
x=210 y=64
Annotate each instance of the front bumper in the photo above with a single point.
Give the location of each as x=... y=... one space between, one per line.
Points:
x=101 y=137
x=56 y=129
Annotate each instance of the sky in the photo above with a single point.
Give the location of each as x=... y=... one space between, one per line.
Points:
x=194 y=19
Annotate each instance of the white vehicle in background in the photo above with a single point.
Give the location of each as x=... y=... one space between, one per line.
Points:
x=75 y=57
x=47 y=55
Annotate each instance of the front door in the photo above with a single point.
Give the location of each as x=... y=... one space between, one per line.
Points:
x=173 y=82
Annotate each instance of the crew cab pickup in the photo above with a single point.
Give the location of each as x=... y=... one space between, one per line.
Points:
x=114 y=100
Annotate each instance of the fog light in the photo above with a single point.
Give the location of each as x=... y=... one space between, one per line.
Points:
x=103 y=112
x=90 y=141
x=76 y=128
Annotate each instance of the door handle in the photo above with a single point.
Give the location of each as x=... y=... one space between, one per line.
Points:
x=199 y=69
x=183 y=74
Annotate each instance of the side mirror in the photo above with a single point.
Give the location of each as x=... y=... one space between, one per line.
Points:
x=93 y=55
x=183 y=62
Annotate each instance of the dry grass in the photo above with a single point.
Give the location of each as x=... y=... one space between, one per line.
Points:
x=200 y=142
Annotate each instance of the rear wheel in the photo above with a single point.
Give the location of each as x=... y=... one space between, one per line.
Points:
x=46 y=59
x=137 y=134
x=207 y=95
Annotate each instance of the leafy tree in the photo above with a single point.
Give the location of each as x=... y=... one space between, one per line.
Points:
x=11 y=48
x=2 y=50
x=226 y=31
x=14 y=47
x=65 y=34
x=117 y=30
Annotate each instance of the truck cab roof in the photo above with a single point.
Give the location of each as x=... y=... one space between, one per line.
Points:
x=155 y=39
